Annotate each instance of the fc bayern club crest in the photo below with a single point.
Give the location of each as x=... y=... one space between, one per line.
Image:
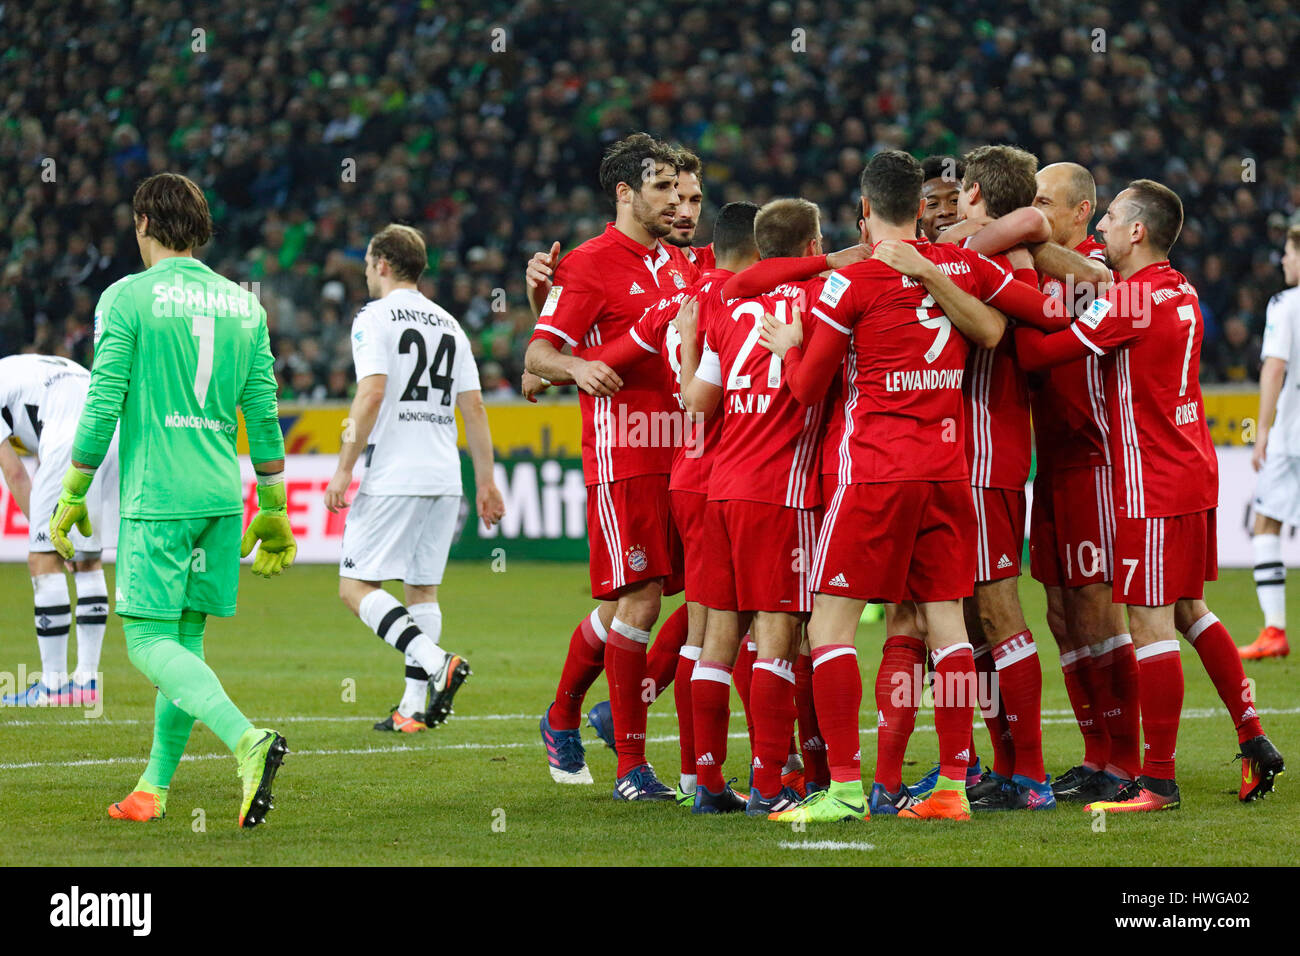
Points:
x=636 y=559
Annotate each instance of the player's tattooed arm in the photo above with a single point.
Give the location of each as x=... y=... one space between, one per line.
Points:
x=538 y=276
x=16 y=477
x=1271 y=377
x=1018 y=227
x=595 y=378
x=981 y=324
x=1069 y=266
x=356 y=433
x=487 y=497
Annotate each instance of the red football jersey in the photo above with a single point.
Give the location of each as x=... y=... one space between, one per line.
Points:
x=998 y=434
x=601 y=288
x=1069 y=402
x=702 y=257
x=904 y=416
x=770 y=443
x=655 y=332
x=1150 y=327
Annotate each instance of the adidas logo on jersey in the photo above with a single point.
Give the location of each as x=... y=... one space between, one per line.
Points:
x=704 y=760
x=758 y=764
x=880 y=719
x=838 y=581
x=636 y=289
x=1004 y=562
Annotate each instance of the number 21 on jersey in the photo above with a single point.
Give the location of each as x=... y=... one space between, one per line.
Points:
x=754 y=310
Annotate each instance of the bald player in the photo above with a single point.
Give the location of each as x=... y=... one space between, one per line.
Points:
x=1073 y=518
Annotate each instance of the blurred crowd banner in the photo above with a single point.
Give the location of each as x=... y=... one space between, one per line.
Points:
x=554 y=429
x=519 y=429
x=539 y=471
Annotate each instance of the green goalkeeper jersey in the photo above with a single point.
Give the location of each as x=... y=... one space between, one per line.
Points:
x=177 y=349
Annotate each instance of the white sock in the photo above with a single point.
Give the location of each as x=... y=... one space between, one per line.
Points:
x=1270 y=579
x=687 y=782
x=53 y=621
x=384 y=614
x=92 y=620
x=417 y=689
x=428 y=618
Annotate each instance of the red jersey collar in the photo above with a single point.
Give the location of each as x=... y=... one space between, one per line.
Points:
x=1161 y=266
x=655 y=256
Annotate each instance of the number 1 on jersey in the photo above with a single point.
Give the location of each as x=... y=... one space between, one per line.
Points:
x=204 y=326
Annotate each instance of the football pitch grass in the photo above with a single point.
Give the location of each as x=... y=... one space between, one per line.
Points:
x=476 y=791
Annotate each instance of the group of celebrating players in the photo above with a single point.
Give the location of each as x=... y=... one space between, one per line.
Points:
x=856 y=427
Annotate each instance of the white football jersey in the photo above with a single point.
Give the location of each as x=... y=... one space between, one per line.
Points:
x=1282 y=340
x=427 y=358
x=41 y=398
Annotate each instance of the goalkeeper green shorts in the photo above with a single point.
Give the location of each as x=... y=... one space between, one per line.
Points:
x=165 y=567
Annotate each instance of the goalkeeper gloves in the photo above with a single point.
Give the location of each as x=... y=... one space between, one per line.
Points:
x=270 y=526
x=71 y=511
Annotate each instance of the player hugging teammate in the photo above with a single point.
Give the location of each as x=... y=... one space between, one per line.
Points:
x=927 y=442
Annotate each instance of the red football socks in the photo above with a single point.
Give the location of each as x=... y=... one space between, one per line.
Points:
x=837 y=688
x=995 y=714
x=1020 y=681
x=625 y=653
x=1116 y=678
x=744 y=675
x=899 y=684
x=1080 y=687
x=661 y=660
x=686 y=659
x=711 y=706
x=582 y=665
x=955 y=693
x=1222 y=662
x=772 y=700
x=1161 y=670
x=815 y=768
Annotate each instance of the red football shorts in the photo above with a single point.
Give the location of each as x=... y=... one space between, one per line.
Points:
x=1043 y=565
x=999 y=532
x=1076 y=544
x=898 y=541
x=1162 y=560
x=688 y=519
x=758 y=556
x=629 y=533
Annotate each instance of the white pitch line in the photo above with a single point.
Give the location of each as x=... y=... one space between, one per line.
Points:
x=1191 y=713
x=1198 y=713
x=823 y=845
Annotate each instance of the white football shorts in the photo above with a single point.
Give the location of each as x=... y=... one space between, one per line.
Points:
x=102 y=501
x=399 y=538
x=1277 y=490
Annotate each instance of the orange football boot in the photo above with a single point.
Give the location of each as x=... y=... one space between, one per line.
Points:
x=939 y=805
x=140 y=805
x=1137 y=797
x=1270 y=643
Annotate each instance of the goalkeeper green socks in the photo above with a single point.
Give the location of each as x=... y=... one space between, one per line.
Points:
x=180 y=675
x=171 y=725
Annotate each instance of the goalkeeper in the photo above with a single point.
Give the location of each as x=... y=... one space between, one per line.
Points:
x=177 y=348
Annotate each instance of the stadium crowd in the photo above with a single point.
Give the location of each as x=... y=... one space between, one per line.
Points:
x=482 y=125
